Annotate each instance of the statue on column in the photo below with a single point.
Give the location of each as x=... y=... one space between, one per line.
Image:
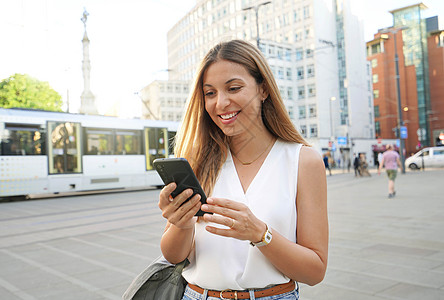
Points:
x=88 y=105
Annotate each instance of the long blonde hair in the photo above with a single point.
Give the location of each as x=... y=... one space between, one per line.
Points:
x=200 y=140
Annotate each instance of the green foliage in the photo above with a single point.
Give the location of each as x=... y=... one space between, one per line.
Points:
x=22 y=90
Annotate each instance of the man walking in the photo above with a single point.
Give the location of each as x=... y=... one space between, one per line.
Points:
x=390 y=159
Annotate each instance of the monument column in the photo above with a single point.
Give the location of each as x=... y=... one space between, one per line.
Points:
x=88 y=105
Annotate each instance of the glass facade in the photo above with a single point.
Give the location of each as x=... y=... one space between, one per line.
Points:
x=342 y=71
x=415 y=53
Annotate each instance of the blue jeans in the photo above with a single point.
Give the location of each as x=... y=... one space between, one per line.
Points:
x=193 y=295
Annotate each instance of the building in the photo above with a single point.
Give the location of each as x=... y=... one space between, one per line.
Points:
x=435 y=46
x=313 y=48
x=408 y=41
x=164 y=100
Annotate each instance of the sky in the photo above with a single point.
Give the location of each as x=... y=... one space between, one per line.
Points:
x=128 y=43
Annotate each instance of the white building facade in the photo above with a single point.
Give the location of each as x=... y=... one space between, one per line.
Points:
x=164 y=100
x=316 y=50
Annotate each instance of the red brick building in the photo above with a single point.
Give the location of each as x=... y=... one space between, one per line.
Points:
x=381 y=55
x=435 y=45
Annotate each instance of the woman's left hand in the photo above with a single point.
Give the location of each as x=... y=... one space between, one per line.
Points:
x=241 y=222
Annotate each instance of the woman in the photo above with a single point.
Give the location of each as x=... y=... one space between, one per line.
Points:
x=267 y=189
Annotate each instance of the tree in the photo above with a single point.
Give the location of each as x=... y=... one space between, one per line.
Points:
x=22 y=90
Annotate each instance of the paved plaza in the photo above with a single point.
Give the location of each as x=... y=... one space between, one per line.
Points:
x=92 y=246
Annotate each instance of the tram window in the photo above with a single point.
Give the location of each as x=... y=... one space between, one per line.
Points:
x=171 y=137
x=156 y=145
x=99 y=142
x=22 y=139
x=128 y=142
x=64 y=147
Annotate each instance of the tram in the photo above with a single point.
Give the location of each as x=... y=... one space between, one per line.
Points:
x=45 y=152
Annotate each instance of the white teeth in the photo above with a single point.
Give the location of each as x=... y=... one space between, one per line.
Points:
x=229 y=116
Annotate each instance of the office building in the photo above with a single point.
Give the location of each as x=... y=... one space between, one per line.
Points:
x=313 y=48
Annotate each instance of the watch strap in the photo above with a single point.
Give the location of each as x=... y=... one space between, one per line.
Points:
x=266 y=238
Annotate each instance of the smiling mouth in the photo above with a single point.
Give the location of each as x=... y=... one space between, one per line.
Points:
x=229 y=116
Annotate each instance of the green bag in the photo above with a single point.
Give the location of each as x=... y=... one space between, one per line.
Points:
x=161 y=280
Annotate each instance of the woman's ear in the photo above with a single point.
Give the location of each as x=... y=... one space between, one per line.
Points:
x=263 y=90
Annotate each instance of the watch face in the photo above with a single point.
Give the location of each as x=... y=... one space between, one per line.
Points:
x=267 y=238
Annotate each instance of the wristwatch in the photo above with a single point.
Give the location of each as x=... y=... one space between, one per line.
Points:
x=266 y=238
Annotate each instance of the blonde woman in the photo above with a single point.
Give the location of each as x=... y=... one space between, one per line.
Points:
x=266 y=187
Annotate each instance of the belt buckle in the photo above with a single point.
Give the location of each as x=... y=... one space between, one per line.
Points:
x=222 y=297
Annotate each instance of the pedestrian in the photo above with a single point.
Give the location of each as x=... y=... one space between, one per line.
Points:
x=265 y=186
x=363 y=165
x=379 y=159
x=326 y=164
x=356 y=164
x=390 y=159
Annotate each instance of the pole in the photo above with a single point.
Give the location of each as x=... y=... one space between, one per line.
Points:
x=398 y=96
x=256 y=10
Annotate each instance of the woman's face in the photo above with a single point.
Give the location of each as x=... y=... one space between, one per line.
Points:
x=233 y=99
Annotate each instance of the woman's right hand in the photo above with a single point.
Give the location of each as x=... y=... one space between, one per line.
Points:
x=175 y=210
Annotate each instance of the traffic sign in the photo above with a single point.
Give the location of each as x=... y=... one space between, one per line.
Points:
x=403 y=130
x=342 y=140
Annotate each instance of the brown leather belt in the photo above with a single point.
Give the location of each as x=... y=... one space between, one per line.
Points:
x=229 y=294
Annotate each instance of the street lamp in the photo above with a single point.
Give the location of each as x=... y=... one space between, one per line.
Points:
x=394 y=31
x=256 y=10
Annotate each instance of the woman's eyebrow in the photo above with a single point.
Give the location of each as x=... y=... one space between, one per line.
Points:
x=233 y=79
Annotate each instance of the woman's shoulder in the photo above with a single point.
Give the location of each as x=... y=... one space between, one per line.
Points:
x=309 y=158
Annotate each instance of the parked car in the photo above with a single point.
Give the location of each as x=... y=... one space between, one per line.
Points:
x=427 y=157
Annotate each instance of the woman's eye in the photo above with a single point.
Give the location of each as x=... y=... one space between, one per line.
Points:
x=234 y=88
x=209 y=93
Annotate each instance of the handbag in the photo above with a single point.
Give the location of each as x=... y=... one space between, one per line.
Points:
x=161 y=280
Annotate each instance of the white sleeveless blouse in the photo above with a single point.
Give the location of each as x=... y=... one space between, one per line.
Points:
x=219 y=263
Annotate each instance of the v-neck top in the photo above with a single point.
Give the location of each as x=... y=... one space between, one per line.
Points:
x=219 y=263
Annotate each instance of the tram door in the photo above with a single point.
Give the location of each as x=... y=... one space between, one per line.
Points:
x=64 y=154
x=156 y=145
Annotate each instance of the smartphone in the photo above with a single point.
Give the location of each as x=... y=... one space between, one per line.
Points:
x=178 y=170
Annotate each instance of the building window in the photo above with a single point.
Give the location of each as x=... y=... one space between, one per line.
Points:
x=309 y=53
x=289 y=74
x=310 y=71
x=304 y=130
x=306 y=12
x=376 y=48
x=288 y=54
x=374 y=63
x=301 y=92
x=299 y=54
x=376 y=108
x=290 y=93
x=377 y=128
x=313 y=130
x=281 y=73
x=311 y=90
x=375 y=94
x=375 y=78
x=312 y=110
x=302 y=112
x=300 y=72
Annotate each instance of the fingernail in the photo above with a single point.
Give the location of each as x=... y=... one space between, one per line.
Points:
x=204 y=207
x=210 y=200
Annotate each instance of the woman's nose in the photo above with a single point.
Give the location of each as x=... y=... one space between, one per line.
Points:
x=222 y=100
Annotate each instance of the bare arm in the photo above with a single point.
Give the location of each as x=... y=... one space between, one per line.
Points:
x=304 y=261
x=177 y=240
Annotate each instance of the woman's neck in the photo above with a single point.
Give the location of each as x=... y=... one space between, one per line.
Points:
x=248 y=146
